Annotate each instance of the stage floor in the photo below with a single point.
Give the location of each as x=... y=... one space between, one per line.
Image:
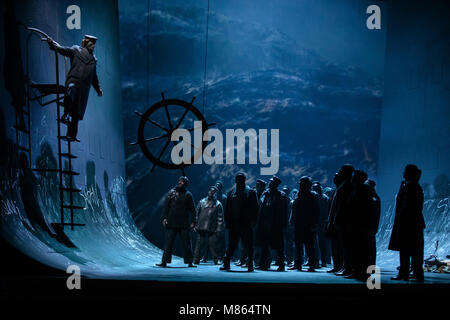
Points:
x=208 y=272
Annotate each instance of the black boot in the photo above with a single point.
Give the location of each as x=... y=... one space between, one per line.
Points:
x=294 y=267
x=400 y=277
x=281 y=268
x=226 y=264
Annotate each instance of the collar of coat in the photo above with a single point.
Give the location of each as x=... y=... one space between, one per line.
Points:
x=206 y=202
x=247 y=189
x=85 y=55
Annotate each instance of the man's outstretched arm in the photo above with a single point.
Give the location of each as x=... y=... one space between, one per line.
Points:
x=65 y=51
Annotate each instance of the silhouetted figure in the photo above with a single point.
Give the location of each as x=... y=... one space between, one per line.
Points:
x=82 y=74
x=375 y=213
x=241 y=212
x=219 y=237
x=260 y=186
x=288 y=232
x=272 y=220
x=323 y=243
x=407 y=232
x=305 y=220
x=341 y=216
x=178 y=215
x=330 y=230
x=358 y=226
x=290 y=228
x=209 y=217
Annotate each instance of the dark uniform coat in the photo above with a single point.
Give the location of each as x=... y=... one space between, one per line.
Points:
x=407 y=232
x=338 y=209
x=179 y=208
x=359 y=209
x=272 y=218
x=241 y=209
x=305 y=215
x=324 y=203
x=82 y=74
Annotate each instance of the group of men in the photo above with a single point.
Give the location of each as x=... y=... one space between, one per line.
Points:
x=268 y=219
x=269 y=223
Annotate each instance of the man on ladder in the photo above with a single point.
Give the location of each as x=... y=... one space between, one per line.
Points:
x=81 y=76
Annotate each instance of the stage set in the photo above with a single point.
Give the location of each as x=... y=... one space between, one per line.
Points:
x=87 y=188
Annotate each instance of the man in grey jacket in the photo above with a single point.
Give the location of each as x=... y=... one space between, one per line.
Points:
x=209 y=219
x=82 y=74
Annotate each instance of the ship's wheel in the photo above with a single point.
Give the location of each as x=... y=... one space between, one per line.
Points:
x=157 y=125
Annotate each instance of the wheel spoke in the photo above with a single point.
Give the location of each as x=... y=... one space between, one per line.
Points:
x=157 y=124
x=182 y=118
x=168 y=117
x=157 y=138
x=163 y=149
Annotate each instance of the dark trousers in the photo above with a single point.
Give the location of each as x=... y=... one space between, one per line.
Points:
x=171 y=233
x=234 y=235
x=347 y=245
x=278 y=247
x=412 y=258
x=219 y=243
x=337 y=253
x=205 y=241
x=308 y=242
x=244 y=250
x=372 y=249
x=244 y=253
x=289 y=245
x=359 y=252
x=72 y=127
x=324 y=248
x=70 y=107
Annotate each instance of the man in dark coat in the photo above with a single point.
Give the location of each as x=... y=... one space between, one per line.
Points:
x=219 y=237
x=272 y=220
x=407 y=232
x=338 y=218
x=375 y=213
x=358 y=226
x=241 y=212
x=305 y=220
x=82 y=74
x=323 y=243
x=179 y=208
x=209 y=218
x=288 y=232
x=259 y=188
